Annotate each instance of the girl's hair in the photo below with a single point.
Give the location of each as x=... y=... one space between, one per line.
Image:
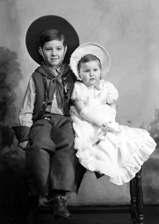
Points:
x=88 y=58
x=50 y=35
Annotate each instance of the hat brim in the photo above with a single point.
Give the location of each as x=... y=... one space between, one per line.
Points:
x=90 y=48
x=50 y=22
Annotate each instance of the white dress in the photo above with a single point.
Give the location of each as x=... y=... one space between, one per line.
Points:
x=121 y=153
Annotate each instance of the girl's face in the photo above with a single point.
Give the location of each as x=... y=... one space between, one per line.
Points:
x=90 y=72
x=53 y=52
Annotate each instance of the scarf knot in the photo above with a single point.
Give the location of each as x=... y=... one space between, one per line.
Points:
x=54 y=85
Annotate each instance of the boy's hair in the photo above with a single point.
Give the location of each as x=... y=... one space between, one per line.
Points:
x=50 y=35
x=88 y=58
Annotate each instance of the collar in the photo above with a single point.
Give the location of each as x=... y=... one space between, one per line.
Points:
x=60 y=71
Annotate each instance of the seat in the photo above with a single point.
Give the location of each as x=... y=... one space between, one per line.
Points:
x=136 y=208
x=136 y=199
x=136 y=202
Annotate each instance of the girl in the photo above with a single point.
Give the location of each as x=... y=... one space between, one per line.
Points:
x=102 y=144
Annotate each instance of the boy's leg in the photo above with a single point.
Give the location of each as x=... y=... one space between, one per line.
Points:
x=66 y=171
x=38 y=154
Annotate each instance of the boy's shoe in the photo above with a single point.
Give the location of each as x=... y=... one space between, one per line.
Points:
x=58 y=205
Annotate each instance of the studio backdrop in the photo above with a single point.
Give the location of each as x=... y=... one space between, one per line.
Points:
x=129 y=30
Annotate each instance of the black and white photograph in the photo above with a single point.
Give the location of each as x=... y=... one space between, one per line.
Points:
x=79 y=112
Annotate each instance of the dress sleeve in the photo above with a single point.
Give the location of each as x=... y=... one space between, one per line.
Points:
x=79 y=92
x=112 y=93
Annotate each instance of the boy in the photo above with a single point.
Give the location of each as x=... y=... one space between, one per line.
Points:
x=45 y=126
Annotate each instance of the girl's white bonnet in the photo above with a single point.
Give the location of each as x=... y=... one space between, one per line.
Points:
x=90 y=48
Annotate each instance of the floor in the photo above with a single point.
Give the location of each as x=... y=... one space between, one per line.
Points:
x=119 y=215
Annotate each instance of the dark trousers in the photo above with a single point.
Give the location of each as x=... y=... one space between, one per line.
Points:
x=50 y=156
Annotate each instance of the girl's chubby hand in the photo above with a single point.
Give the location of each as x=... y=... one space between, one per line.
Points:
x=23 y=144
x=104 y=127
x=113 y=127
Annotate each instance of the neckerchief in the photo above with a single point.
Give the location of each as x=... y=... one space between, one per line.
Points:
x=54 y=84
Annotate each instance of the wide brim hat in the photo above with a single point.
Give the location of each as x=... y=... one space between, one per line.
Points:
x=50 y=22
x=90 y=48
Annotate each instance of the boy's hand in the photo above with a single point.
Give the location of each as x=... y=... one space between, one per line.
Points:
x=23 y=144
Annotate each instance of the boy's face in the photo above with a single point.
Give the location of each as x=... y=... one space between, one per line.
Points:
x=53 y=52
x=90 y=73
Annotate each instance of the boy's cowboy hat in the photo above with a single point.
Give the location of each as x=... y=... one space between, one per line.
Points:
x=50 y=22
x=90 y=48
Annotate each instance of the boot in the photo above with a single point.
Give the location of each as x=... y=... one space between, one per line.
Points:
x=59 y=207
